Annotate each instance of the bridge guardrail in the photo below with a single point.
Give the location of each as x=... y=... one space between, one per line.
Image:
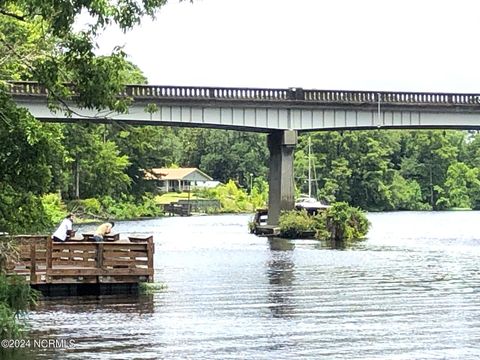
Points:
x=276 y=95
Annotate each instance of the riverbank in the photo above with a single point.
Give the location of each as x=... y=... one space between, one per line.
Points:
x=230 y=198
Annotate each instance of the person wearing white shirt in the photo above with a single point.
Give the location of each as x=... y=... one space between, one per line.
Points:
x=64 y=229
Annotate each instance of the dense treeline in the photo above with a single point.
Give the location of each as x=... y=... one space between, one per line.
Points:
x=395 y=170
x=109 y=159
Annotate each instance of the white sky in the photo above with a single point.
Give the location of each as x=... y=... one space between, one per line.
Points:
x=403 y=45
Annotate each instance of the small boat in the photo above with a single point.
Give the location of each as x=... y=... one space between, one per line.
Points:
x=310 y=204
x=259 y=224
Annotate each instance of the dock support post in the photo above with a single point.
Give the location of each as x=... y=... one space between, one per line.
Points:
x=33 y=261
x=280 y=180
x=150 y=252
x=48 y=259
x=99 y=259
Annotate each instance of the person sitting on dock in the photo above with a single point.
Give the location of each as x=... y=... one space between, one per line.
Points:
x=103 y=230
x=65 y=229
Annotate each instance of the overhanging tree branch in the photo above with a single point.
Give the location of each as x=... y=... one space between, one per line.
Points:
x=12 y=15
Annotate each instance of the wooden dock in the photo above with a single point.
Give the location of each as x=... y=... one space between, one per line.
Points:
x=45 y=263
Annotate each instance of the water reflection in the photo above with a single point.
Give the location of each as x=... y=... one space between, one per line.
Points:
x=339 y=244
x=132 y=304
x=280 y=273
x=280 y=244
x=17 y=354
x=102 y=324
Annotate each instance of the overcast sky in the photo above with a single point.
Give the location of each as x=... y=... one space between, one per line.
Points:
x=404 y=45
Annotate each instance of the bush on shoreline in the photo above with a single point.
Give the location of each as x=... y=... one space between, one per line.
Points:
x=294 y=224
x=126 y=207
x=234 y=199
x=16 y=296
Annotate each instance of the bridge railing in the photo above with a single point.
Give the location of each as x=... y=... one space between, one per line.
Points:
x=279 y=95
x=26 y=88
x=414 y=98
x=194 y=92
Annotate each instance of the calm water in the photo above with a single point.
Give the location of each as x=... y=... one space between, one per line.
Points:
x=409 y=291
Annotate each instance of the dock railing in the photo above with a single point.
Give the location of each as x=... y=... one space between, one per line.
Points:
x=43 y=261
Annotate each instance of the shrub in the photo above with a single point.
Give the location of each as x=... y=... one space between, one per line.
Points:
x=16 y=296
x=125 y=207
x=293 y=224
x=339 y=222
x=234 y=199
x=344 y=222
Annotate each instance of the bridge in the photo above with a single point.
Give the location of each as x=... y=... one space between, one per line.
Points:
x=281 y=113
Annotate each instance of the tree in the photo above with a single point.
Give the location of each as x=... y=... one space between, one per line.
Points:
x=225 y=154
x=146 y=147
x=461 y=188
x=405 y=194
x=428 y=155
x=38 y=42
x=65 y=54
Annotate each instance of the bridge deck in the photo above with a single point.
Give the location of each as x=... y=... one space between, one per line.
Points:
x=264 y=110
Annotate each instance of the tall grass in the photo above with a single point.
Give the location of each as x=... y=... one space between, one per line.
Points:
x=16 y=295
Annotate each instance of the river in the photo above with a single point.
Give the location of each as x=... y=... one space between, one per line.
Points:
x=411 y=290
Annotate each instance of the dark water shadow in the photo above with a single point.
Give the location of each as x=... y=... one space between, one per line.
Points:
x=17 y=354
x=280 y=274
x=131 y=303
x=340 y=244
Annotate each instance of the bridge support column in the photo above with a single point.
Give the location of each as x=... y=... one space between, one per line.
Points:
x=280 y=180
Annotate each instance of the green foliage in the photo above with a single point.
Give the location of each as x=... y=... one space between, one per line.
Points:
x=9 y=327
x=232 y=198
x=225 y=154
x=152 y=288
x=99 y=165
x=28 y=149
x=344 y=222
x=118 y=210
x=394 y=170
x=461 y=188
x=16 y=297
x=90 y=206
x=259 y=194
x=21 y=212
x=65 y=54
x=16 y=293
x=39 y=42
x=339 y=222
x=124 y=207
x=405 y=194
x=294 y=224
x=55 y=210
x=146 y=147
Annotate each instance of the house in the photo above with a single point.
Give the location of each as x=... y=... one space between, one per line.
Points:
x=181 y=179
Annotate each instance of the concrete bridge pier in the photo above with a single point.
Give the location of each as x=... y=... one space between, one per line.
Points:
x=281 y=194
